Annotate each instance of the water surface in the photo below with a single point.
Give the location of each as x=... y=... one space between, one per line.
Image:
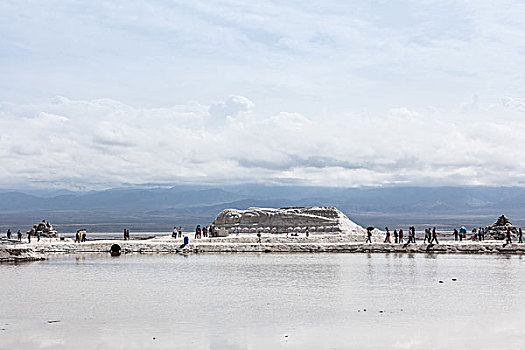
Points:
x=264 y=301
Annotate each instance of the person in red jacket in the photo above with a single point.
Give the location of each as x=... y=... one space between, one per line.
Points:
x=387 y=237
x=434 y=236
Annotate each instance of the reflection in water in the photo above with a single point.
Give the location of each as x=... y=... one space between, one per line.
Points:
x=261 y=301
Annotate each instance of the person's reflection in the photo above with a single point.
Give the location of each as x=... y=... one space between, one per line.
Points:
x=370 y=266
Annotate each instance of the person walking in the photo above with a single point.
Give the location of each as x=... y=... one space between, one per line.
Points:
x=413 y=234
x=401 y=236
x=509 y=239
x=19 y=235
x=395 y=236
x=456 y=234
x=368 y=235
x=8 y=233
x=462 y=232
x=434 y=236
x=180 y=231
x=174 y=233
x=83 y=236
x=520 y=236
x=28 y=237
x=38 y=237
x=387 y=236
x=508 y=235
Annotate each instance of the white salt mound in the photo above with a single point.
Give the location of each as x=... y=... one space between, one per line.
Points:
x=282 y=220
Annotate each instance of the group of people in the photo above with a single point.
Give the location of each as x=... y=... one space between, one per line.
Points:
x=177 y=232
x=203 y=232
x=477 y=234
x=399 y=236
x=431 y=235
x=80 y=236
x=200 y=231
x=19 y=236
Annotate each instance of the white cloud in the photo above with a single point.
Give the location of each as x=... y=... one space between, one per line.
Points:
x=231 y=110
x=101 y=143
x=513 y=103
x=340 y=92
x=331 y=56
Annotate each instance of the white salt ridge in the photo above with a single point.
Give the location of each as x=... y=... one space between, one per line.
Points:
x=316 y=219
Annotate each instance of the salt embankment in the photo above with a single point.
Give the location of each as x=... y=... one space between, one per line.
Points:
x=247 y=244
x=10 y=253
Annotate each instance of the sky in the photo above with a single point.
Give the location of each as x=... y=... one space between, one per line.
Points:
x=100 y=94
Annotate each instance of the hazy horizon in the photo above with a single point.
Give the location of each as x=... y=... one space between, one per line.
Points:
x=159 y=209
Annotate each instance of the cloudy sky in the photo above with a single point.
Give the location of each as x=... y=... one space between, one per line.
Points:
x=97 y=94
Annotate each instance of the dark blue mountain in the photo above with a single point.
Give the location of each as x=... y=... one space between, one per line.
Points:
x=151 y=208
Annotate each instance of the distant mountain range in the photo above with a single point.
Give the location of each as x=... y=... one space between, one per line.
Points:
x=162 y=208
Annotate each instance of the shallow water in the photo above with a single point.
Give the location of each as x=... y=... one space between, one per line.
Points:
x=264 y=301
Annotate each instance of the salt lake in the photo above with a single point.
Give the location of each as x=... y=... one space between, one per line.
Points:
x=264 y=301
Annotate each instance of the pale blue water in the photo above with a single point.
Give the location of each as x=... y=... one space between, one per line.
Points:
x=264 y=301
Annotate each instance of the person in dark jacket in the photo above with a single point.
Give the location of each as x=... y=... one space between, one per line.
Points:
x=509 y=239
x=368 y=235
x=434 y=236
x=387 y=236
